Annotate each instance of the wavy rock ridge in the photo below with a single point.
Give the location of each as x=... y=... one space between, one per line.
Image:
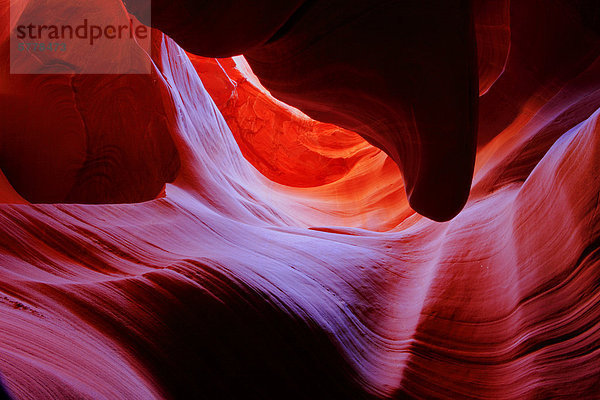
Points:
x=316 y=284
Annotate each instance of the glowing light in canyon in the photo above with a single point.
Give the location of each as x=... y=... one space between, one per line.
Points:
x=376 y=200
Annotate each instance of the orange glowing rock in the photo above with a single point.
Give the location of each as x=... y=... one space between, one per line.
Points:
x=258 y=253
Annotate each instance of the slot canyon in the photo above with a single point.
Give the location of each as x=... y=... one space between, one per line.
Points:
x=304 y=199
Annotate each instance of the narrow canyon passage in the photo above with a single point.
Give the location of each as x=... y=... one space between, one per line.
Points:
x=256 y=226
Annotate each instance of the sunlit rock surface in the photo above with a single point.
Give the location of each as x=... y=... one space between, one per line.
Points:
x=283 y=259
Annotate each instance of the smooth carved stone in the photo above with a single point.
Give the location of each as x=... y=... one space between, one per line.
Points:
x=403 y=75
x=70 y=138
x=234 y=286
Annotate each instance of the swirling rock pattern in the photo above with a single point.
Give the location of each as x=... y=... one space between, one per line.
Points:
x=71 y=138
x=331 y=59
x=234 y=285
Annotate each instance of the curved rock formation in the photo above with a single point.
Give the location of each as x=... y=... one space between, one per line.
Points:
x=305 y=275
x=73 y=138
x=331 y=59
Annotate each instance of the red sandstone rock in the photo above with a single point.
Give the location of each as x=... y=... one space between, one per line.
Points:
x=233 y=285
